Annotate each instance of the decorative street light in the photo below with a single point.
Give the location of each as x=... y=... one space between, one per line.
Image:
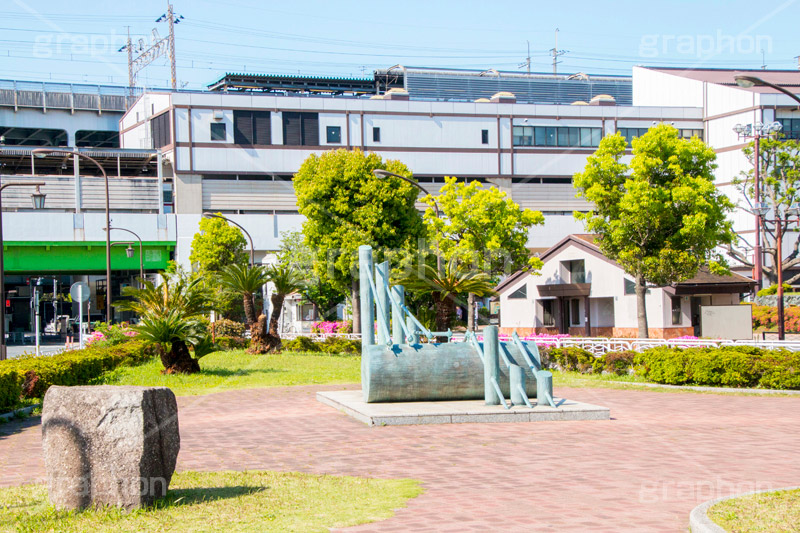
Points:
x=746 y=82
x=37 y=198
x=380 y=173
x=129 y=251
x=44 y=152
x=252 y=249
x=755 y=132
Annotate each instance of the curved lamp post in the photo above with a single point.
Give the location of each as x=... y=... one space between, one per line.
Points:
x=43 y=152
x=752 y=81
x=380 y=173
x=252 y=249
x=130 y=254
x=38 y=203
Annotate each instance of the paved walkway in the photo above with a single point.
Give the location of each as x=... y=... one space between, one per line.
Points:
x=660 y=455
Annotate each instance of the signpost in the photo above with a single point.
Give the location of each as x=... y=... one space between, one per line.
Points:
x=80 y=293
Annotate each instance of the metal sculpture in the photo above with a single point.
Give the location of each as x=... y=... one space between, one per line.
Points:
x=396 y=366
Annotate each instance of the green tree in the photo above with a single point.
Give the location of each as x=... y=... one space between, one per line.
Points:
x=660 y=216
x=779 y=188
x=217 y=245
x=244 y=280
x=446 y=286
x=482 y=227
x=171 y=315
x=317 y=289
x=346 y=206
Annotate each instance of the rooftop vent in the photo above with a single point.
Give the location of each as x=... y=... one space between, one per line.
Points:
x=603 y=99
x=504 y=97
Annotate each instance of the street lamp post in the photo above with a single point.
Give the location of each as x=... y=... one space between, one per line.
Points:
x=755 y=132
x=38 y=203
x=129 y=253
x=141 y=254
x=753 y=81
x=380 y=173
x=43 y=152
x=252 y=249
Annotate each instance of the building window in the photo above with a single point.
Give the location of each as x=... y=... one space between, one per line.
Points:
x=548 y=314
x=484 y=136
x=562 y=137
x=159 y=130
x=575 y=312
x=300 y=129
x=376 y=135
x=574 y=271
x=676 y=311
x=333 y=134
x=252 y=127
x=630 y=286
x=218 y=131
x=791 y=127
x=631 y=133
x=519 y=294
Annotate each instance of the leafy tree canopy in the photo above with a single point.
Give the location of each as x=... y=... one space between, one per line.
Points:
x=346 y=206
x=659 y=216
x=481 y=226
x=217 y=245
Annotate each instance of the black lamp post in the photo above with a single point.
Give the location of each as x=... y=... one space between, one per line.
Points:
x=129 y=251
x=252 y=249
x=37 y=199
x=44 y=152
x=380 y=173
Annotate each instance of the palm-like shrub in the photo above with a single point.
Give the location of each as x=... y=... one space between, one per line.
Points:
x=245 y=280
x=171 y=316
x=447 y=286
x=286 y=281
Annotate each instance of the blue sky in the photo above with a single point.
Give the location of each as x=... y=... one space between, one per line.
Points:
x=78 y=41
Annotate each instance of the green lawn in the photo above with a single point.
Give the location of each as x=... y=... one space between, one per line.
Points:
x=768 y=511
x=224 y=501
x=236 y=369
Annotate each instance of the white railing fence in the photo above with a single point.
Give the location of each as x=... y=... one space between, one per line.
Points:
x=597 y=345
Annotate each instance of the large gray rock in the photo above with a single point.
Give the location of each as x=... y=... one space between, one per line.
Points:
x=106 y=445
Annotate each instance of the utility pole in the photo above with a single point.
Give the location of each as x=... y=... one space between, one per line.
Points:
x=131 y=80
x=527 y=62
x=556 y=53
x=171 y=22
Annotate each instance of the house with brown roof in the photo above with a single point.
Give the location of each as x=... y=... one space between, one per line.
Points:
x=582 y=292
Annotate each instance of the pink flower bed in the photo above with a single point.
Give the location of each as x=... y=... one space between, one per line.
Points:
x=329 y=327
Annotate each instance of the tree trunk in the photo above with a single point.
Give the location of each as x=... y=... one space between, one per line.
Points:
x=178 y=360
x=249 y=307
x=445 y=309
x=277 y=307
x=261 y=340
x=641 y=309
x=470 y=312
x=355 y=303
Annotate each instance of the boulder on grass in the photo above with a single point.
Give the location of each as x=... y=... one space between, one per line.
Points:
x=106 y=445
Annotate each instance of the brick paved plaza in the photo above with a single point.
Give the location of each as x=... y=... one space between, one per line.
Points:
x=644 y=470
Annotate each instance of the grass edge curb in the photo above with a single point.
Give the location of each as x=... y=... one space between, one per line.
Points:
x=699 y=522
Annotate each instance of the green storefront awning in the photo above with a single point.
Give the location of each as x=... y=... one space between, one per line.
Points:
x=23 y=257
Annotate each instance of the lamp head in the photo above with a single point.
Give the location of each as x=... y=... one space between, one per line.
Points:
x=738 y=129
x=761 y=209
x=129 y=251
x=748 y=81
x=38 y=199
x=380 y=173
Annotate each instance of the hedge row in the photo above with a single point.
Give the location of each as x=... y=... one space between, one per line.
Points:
x=331 y=345
x=30 y=376
x=729 y=366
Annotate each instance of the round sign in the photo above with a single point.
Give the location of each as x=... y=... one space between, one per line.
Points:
x=79 y=287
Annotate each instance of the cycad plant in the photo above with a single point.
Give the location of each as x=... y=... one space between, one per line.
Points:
x=245 y=280
x=286 y=280
x=171 y=316
x=447 y=286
